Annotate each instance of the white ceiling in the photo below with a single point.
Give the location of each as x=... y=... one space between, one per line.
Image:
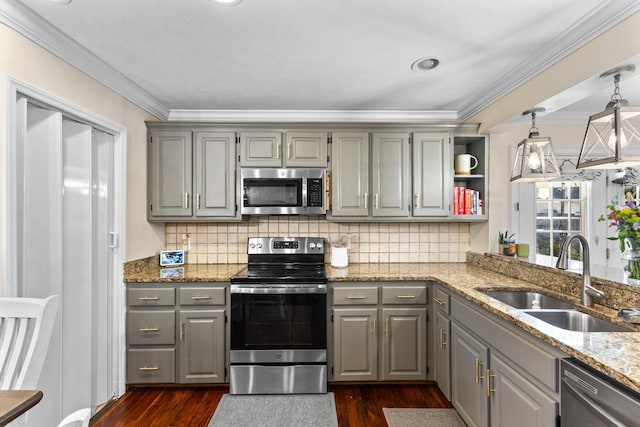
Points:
x=322 y=55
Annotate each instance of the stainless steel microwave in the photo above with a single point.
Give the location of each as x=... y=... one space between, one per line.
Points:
x=292 y=191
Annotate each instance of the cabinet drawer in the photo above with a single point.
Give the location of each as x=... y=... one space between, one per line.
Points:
x=404 y=294
x=202 y=296
x=352 y=295
x=137 y=297
x=442 y=300
x=151 y=327
x=151 y=366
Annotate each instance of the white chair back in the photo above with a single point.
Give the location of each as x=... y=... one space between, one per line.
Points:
x=79 y=418
x=26 y=325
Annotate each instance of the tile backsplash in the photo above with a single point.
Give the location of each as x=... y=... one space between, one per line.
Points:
x=226 y=243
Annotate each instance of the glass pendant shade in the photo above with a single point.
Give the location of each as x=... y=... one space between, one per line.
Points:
x=535 y=160
x=612 y=139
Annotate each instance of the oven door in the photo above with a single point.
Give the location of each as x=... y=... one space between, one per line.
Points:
x=278 y=323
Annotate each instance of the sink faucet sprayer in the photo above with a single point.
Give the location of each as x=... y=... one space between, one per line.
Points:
x=588 y=291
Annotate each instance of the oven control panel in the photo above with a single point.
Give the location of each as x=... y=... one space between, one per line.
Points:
x=285 y=245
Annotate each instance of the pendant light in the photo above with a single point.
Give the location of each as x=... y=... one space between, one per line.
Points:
x=612 y=139
x=535 y=160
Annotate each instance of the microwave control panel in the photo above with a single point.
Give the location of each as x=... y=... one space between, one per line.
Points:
x=315 y=192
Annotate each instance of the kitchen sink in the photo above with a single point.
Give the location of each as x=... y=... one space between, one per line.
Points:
x=573 y=320
x=528 y=300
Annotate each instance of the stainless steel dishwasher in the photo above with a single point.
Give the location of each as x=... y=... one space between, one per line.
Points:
x=589 y=399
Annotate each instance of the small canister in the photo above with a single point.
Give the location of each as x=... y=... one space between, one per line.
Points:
x=339 y=257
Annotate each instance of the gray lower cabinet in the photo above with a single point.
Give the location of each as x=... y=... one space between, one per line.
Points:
x=379 y=332
x=500 y=376
x=202 y=350
x=176 y=334
x=151 y=332
x=355 y=355
x=442 y=349
x=468 y=377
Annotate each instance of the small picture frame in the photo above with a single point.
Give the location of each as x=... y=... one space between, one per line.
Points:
x=171 y=258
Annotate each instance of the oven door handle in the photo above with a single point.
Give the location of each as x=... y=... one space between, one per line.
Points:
x=278 y=289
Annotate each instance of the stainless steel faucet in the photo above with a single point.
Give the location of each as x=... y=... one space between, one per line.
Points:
x=588 y=291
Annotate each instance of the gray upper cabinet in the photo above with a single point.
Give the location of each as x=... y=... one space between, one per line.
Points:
x=431 y=174
x=215 y=180
x=390 y=174
x=300 y=149
x=350 y=174
x=170 y=174
x=192 y=175
x=261 y=149
x=306 y=149
x=370 y=179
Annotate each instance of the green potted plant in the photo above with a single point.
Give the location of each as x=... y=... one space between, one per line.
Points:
x=503 y=240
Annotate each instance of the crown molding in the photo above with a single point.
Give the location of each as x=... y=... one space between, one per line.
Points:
x=20 y=18
x=315 y=116
x=597 y=21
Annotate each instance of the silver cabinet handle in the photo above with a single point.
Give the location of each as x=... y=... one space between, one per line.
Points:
x=149 y=329
x=197 y=298
x=443 y=338
x=198 y=203
x=149 y=298
x=187 y=200
x=278 y=151
x=406 y=296
x=365 y=196
x=356 y=297
x=416 y=200
x=375 y=327
x=149 y=368
x=375 y=201
x=438 y=301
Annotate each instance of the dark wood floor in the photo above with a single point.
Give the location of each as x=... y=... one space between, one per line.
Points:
x=357 y=405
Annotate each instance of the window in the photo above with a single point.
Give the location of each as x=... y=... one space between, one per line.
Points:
x=559 y=212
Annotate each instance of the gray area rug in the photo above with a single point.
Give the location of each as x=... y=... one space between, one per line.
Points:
x=309 y=410
x=422 y=417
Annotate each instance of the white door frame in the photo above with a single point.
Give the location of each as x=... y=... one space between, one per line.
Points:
x=15 y=88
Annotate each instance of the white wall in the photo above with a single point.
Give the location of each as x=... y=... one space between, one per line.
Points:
x=27 y=62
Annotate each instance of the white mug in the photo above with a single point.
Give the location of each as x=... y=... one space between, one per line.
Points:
x=463 y=165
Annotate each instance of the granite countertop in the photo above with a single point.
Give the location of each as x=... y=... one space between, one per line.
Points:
x=616 y=354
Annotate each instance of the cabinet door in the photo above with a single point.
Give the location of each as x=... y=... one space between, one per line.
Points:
x=261 y=149
x=515 y=400
x=468 y=365
x=306 y=149
x=215 y=174
x=202 y=346
x=170 y=173
x=431 y=174
x=350 y=174
x=390 y=172
x=355 y=344
x=442 y=334
x=404 y=345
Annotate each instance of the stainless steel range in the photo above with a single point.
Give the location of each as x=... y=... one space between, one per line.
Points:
x=279 y=318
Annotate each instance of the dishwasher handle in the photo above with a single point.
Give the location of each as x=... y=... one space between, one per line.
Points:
x=598 y=410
